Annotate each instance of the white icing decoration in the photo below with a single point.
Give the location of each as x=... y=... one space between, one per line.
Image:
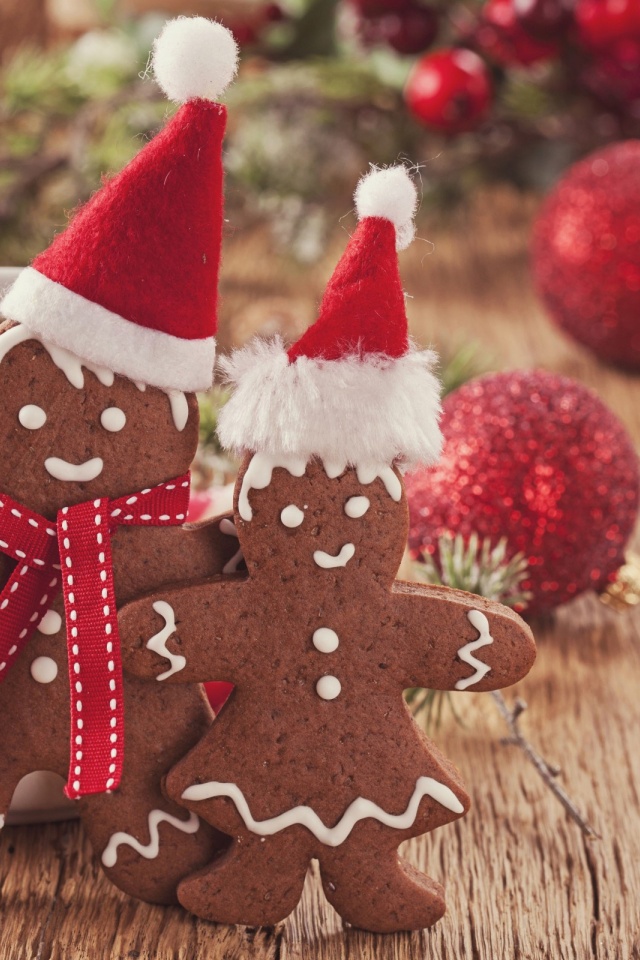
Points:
x=292 y=516
x=105 y=376
x=79 y=472
x=44 y=670
x=158 y=642
x=367 y=475
x=50 y=623
x=328 y=562
x=328 y=688
x=326 y=640
x=32 y=417
x=113 y=419
x=258 y=477
x=150 y=850
x=356 y=507
x=66 y=361
x=333 y=470
x=359 y=809
x=229 y=529
x=140 y=385
x=179 y=408
x=481 y=624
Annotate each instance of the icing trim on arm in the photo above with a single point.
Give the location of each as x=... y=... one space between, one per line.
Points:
x=478 y=620
x=158 y=642
x=149 y=850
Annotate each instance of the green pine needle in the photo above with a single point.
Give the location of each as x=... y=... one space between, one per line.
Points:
x=477 y=567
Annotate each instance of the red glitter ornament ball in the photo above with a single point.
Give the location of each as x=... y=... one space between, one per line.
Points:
x=536 y=458
x=586 y=253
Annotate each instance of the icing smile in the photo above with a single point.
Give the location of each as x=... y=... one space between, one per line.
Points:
x=340 y=560
x=79 y=472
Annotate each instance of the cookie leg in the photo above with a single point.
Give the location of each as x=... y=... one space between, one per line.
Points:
x=257 y=881
x=372 y=887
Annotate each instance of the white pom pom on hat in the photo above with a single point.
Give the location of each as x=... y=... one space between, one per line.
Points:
x=194 y=57
x=391 y=194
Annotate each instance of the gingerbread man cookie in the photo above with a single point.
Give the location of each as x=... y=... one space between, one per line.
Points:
x=107 y=335
x=316 y=754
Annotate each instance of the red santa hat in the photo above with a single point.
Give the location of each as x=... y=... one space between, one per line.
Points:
x=353 y=389
x=131 y=284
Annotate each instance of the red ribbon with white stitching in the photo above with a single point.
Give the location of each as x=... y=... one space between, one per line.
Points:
x=77 y=552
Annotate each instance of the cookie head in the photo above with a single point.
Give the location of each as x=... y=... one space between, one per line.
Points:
x=71 y=432
x=317 y=518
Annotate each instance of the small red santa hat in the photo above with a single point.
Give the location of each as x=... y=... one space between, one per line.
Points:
x=131 y=284
x=353 y=390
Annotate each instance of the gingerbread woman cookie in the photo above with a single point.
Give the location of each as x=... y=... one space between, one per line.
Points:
x=106 y=337
x=316 y=754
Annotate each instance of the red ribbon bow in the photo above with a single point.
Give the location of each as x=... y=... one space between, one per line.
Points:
x=76 y=553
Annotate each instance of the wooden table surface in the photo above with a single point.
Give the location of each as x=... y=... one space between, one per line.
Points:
x=522 y=881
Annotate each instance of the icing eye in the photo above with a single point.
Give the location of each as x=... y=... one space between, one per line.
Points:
x=292 y=516
x=32 y=417
x=356 y=507
x=113 y=419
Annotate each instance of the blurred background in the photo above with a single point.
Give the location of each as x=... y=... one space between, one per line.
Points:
x=493 y=102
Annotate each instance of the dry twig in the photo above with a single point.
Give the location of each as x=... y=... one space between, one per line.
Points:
x=548 y=772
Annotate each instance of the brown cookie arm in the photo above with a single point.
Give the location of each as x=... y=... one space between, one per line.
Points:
x=451 y=640
x=197 y=550
x=185 y=634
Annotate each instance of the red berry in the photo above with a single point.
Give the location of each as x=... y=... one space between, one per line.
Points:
x=501 y=36
x=544 y=19
x=410 y=31
x=604 y=22
x=449 y=90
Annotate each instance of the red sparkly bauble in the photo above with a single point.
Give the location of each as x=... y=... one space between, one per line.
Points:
x=586 y=253
x=501 y=36
x=449 y=90
x=538 y=459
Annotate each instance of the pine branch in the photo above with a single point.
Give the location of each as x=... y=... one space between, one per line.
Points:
x=484 y=570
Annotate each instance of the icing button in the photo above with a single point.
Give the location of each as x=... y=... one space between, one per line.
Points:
x=328 y=688
x=326 y=640
x=50 y=623
x=44 y=670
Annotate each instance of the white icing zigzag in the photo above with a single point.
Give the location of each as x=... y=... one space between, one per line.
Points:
x=158 y=642
x=360 y=809
x=480 y=622
x=150 y=850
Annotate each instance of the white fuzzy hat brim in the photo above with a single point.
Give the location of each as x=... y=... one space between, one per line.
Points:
x=65 y=319
x=376 y=410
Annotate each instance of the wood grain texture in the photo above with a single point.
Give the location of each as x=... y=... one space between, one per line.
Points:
x=521 y=880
